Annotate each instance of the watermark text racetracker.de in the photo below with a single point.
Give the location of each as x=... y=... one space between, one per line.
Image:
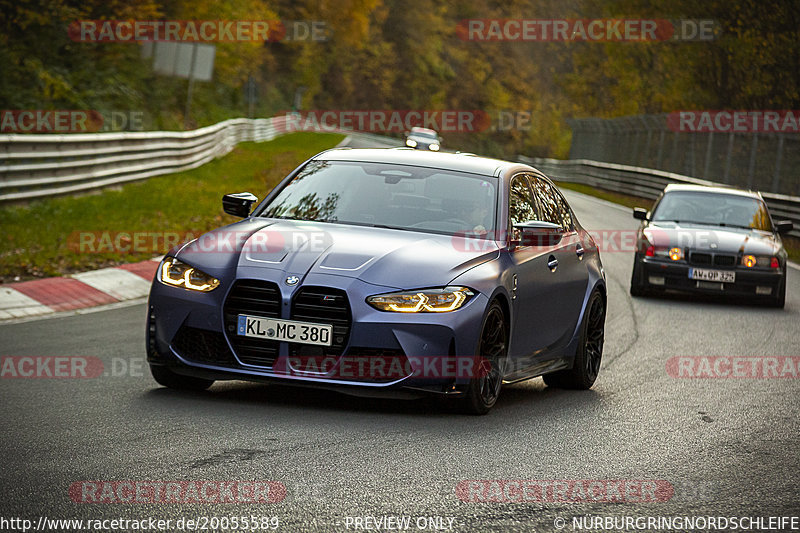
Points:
x=198 y=31
x=564 y=490
x=733 y=367
x=271 y=241
x=588 y=30
x=178 y=491
x=70 y=367
x=735 y=121
x=195 y=523
x=402 y=120
x=69 y=120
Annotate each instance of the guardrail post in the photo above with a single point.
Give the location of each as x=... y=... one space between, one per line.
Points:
x=726 y=176
x=674 y=162
x=707 y=168
x=660 y=153
x=689 y=163
x=776 y=178
x=635 y=147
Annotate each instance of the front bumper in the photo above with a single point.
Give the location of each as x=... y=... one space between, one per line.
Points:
x=665 y=275
x=186 y=332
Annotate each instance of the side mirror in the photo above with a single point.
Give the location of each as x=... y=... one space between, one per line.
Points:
x=784 y=226
x=239 y=204
x=640 y=213
x=536 y=233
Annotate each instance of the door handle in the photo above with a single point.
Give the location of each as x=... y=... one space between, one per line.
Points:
x=552 y=263
x=579 y=251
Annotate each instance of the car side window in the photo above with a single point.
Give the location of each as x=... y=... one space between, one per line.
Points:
x=521 y=205
x=566 y=213
x=552 y=206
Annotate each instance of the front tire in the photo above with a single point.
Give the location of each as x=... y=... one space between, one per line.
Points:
x=484 y=387
x=166 y=377
x=589 y=355
x=637 y=279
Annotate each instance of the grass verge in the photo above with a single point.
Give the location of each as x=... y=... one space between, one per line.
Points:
x=43 y=238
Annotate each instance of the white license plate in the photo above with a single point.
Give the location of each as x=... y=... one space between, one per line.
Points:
x=285 y=330
x=725 y=276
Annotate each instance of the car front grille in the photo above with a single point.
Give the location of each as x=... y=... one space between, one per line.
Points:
x=203 y=346
x=724 y=260
x=711 y=259
x=255 y=298
x=322 y=305
x=698 y=258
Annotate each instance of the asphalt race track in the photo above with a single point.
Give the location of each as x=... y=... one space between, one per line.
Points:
x=728 y=447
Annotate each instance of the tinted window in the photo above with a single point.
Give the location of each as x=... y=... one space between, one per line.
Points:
x=566 y=214
x=521 y=207
x=549 y=205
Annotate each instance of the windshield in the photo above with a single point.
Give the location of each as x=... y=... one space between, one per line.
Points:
x=393 y=196
x=713 y=209
x=425 y=134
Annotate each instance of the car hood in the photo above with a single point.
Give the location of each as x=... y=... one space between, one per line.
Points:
x=380 y=256
x=712 y=238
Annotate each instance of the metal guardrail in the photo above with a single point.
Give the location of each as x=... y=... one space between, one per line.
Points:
x=646 y=183
x=35 y=166
x=750 y=160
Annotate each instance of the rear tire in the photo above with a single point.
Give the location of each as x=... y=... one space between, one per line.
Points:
x=485 y=385
x=589 y=355
x=166 y=377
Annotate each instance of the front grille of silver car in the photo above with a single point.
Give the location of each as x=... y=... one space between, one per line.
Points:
x=697 y=258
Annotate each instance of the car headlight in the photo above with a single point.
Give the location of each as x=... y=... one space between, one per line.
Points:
x=674 y=254
x=760 y=261
x=434 y=147
x=179 y=274
x=422 y=301
x=411 y=142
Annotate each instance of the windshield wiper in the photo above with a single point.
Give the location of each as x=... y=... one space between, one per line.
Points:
x=371 y=225
x=725 y=224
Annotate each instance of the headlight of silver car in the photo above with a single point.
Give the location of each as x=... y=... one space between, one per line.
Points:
x=179 y=274
x=440 y=300
x=760 y=261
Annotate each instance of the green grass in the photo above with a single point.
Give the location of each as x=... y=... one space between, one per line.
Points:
x=42 y=238
x=792 y=244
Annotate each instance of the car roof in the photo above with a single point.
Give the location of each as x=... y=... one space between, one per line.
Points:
x=417 y=129
x=676 y=187
x=421 y=158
